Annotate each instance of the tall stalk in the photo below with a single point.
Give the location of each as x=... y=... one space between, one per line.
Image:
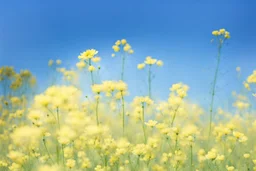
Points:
x=143 y=122
x=123 y=62
x=174 y=115
x=123 y=117
x=191 y=157
x=214 y=86
x=48 y=153
x=92 y=79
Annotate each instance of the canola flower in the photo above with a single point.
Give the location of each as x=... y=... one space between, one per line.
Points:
x=124 y=49
x=221 y=37
x=60 y=130
x=149 y=61
x=88 y=58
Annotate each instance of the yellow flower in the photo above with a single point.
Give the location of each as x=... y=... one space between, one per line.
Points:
x=127 y=47
x=151 y=123
x=81 y=65
x=150 y=61
x=230 y=168
x=159 y=63
x=247 y=86
x=70 y=163
x=50 y=63
x=113 y=55
x=227 y=35
x=97 y=88
x=26 y=136
x=238 y=69
x=222 y=31
x=215 y=33
x=58 y=61
x=15 y=167
x=220 y=157
x=252 y=78
x=130 y=51
x=88 y=54
x=91 y=68
x=123 y=41
x=118 y=42
x=141 y=66
x=116 y=48
x=211 y=155
x=66 y=135
x=96 y=59
x=247 y=155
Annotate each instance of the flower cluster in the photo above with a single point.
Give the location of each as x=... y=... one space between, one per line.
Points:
x=56 y=130
x=122 y=45
x=150 y=61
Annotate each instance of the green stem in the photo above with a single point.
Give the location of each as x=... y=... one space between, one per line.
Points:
x=106 y=161
x=123 y=117
x=214 y=87
x=191 y=157
x=138 y=163
x=123 y=62
x=176 y=142
x=58 y=117
x=97 y=108
x=174 y=116
x=143 y=123
x=233 y=149
x=57 y=152
x=47 y=150
x=63 y=155
x=92 y=79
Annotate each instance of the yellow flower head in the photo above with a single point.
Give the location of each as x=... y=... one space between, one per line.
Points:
x=96 y=59
x=141 y=66
x=116 y=48
x=81 y=64
x=58 y=61
x=88 y=54
x=50 y=62
x=159 y=63
x=123 y=41
x=91 y=68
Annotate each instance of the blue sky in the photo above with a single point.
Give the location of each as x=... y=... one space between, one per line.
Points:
x=176 y=31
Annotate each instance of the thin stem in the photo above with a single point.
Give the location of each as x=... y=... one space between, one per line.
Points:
x=105 y=161
x=63 y=155
x=143 y=123
x=57 y=152
x=47 y=150
x=149 y=81
x=92 y=79
x=123 y=117
x=191 y=157
x=52 y=113
x=214 y=87
x=58 y=117
x=176 y=141
x=175 y=113
x=123 y=62
x=233 y=149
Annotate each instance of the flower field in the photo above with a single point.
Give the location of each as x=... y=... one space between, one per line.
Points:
x=64 y=129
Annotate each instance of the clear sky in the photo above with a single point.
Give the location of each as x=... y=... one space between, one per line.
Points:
x=176 y=31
